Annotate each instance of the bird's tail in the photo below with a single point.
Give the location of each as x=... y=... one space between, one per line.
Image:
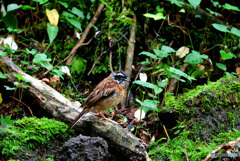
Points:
x=78 y=118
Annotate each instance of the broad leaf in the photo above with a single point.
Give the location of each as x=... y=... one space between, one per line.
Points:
x=9 y=88
x=41 y=1
x=38 y=58
x=195 y=58
x=220 y=27
x=194 y=3
x=175 y=73
x=75 y=22
x=2 y=76
x=151 y=104
x=157 y=16
x=148 y=54
x=168 y=49
x=221 y=66
x=53 y=16
x=235 y=31
x=77 y=12
x=231 y=7
x=149 y=85
x=228 y=55
x=13 y=6
x=52 y=32
x=160 y=53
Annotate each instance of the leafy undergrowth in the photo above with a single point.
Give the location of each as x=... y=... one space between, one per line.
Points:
x=177 y=148
x=30 y=133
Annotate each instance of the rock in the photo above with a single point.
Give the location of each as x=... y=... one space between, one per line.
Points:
x=83 y=148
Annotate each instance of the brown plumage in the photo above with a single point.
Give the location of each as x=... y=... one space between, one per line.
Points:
x=107 y=94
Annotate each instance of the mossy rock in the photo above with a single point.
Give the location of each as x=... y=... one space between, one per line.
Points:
x=207 y=117
x=209 y=109
x=30 y=133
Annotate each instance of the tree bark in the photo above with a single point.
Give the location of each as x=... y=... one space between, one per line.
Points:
x=130 y=51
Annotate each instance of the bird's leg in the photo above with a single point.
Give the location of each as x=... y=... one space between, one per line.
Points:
x=102 y=115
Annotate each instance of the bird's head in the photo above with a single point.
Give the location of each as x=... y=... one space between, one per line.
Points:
x=119 y=76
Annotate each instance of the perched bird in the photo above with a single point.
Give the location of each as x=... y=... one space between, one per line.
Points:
x=107 y=94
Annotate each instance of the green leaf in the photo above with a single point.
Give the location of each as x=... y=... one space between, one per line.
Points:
x=19 y=77
x=160 y=53
x=78 y=65
x=221 y=66
x=75 y=22
x=235 y=31
x=3 y=54
x=67 y=14
x=157 y=16
x=7 y=120
x=26 y=7
x=194 y=3
x=10 y=88
x=64 y=4
x=2 y=76
x=38 y=58
x=176 y=2
x=220 y=27
x=24 y=62
x=150 y=104
x=138 y=101
x=77 y=12
x=46 y=65
x=175 y=72
x=168 y=49
x=230 y=7
x=226 y=56
x=52 y=32
x=148 y=54
x=10 y=20
x=215 y=3
x=195 y=58
x=162 y=84
x=13 y=6
x=149 y=85
x=41 y=1
x=57 y=72
x=213 y=13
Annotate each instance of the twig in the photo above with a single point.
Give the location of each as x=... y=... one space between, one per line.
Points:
x=228 y=145
x=130 y=52
x=186 y=152
x=66 y=58
x=110 y=53
x=23 y=104
x=108 y=50
x=85 y=33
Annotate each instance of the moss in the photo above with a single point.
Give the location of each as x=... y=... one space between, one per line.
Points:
x=177 y=148
x=223 y=92
x=210 y=113
x=30 y=133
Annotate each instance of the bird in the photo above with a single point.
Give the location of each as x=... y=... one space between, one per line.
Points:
x=107 y=94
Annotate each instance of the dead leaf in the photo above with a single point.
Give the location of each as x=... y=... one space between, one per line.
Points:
x=182 y=51
x=53 y=16
x=201 y=67
x=238 y=71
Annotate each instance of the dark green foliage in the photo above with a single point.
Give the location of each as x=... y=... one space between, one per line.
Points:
x=29 y=132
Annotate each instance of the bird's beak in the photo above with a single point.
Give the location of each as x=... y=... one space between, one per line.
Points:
x=127 y=79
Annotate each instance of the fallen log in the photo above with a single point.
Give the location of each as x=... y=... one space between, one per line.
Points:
x=119 y=139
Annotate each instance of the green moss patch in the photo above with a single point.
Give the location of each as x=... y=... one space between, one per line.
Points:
x=29 y=133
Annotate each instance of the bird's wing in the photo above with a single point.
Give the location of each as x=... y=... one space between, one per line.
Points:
x=103 y=89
